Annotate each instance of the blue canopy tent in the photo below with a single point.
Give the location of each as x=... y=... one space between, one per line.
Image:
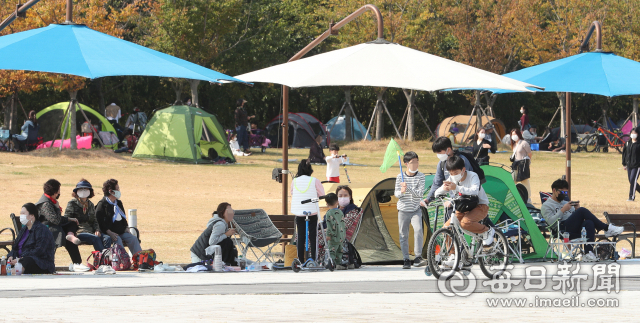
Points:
x=81 y=51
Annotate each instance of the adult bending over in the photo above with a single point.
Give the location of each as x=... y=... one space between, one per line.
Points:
x=82 y=209
x=217 y=233
x=34 y=247
x=50 y=214
x=572 y=218
x=112 y=219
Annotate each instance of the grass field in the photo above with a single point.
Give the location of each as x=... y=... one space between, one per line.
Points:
x=174 y=201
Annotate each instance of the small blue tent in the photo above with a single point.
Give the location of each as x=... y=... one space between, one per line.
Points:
x=336 y=127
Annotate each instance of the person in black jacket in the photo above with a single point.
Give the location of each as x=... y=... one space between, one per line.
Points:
x=112 y=219
x=481 y=147
x=34 y=247
x=50 y=214
x=631 y=163
x=316 y=153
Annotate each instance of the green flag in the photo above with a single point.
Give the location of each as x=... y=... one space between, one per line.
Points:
x=391 y=156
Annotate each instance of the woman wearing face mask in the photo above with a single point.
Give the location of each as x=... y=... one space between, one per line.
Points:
x=521 y=156
x=50 y=214
x=82 y=209
x=34 y=247
x=113 y=220
x=481 y=147
x=524 y=119
x=352 y=213
x=631 y=163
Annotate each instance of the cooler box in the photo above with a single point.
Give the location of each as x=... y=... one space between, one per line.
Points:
x=535 y=147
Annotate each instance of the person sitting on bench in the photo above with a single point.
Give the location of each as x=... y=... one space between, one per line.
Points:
x=218 y=232
x=574 y=218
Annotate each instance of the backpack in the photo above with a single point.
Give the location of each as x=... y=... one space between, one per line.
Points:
x=474 y=165
x=100 y=258
x=351 y=255
x=144 y=257
x=119 y=258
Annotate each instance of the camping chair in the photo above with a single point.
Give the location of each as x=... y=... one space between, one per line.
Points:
x=571 y=250
x=257 y=232
x=33 y=140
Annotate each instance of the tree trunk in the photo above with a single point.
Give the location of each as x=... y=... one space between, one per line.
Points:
x=72 y=121
x=100 y=96
x=411 y=96
x=194 y=92
x=348 y=126
x=177 y=87
x=380 y=116
x=8 y=113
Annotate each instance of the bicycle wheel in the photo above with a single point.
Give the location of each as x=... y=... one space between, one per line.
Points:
x=495 y=262
x=591 y=143
x=442 y=246
x=618 y=142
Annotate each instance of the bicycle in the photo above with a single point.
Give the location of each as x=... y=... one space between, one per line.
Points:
x=450 y=242
x=614 y=139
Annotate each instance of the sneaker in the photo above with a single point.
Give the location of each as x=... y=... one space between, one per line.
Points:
x=451 y=260
x=419 y=261
x=105 y=270
x=613 y=231
x=79 y=268
x=145 y=267
x=487 y=237
x=407 y=264
x=73 y=239
x=341 y=267
x=590 y=257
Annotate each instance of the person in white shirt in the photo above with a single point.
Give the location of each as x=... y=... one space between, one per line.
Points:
x=460 y=180
x=235 y=146
x=333 y=164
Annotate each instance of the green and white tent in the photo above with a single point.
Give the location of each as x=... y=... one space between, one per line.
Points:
x=182 y=133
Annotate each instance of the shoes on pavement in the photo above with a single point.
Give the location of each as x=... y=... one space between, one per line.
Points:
x=419 y=261
x=407 y=264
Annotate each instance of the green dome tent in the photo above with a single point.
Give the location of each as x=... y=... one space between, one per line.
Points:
x=50 y=118
x=182 y=133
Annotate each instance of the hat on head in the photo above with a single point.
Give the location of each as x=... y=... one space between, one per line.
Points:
x=83 y=184
x=489 y=126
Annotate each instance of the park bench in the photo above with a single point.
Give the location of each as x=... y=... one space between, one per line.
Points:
x=5 y=244
x=286 y=225
x=630 y=222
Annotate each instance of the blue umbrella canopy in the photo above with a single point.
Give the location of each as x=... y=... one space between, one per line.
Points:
x=79 y=50
x=598 y=73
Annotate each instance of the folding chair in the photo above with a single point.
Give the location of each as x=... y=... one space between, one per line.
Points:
x=257 y=232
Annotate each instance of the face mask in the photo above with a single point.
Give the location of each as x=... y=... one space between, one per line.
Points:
x=117 y=194
x=411 y=171
x=344 y=201
x=23 y=219
x=522 y=111
x=515 y=138
x=456 y=178
x=83 y=193
x=442 y=157
x=633 y=136
x=481 y=135
x=562 y=195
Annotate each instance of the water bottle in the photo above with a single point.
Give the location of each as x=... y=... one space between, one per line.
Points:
x=583 y=234
x=565 y=237
x=241 y=262
x=3 y=266
x=8 y=269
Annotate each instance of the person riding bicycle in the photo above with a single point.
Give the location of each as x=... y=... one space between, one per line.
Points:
x=465 y=182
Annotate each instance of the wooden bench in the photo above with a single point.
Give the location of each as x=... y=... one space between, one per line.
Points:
x=9 y=243
x=286 y=225
x=630 y=222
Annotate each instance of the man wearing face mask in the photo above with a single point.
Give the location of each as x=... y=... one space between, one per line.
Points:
x=50 y=214
x=573 y=218
x=409 y=191
x=113 y=220
x=443 y=149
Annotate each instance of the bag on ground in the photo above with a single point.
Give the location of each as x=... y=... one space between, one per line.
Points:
x=120 y=259
x=350 y=255
x=144 y=257
x=98 y=258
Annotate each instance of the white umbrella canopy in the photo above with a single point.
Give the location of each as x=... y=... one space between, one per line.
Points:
x=382 y=64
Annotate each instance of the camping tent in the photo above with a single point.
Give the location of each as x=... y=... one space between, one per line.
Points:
x=301 y=134
x=315 y=124
x=444 y=127
x=377 y=238
x=182 y=133
x=50 y=118
x=336 y=127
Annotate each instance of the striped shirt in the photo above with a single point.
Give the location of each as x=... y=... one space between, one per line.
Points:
x=410 y=200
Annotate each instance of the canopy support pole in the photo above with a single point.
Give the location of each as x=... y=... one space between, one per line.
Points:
x=476 y=106
x=66 y=125
x=373 y=115
x=568 y=141
x=55 y=134
x=425 y=123
x=73 y=130
x=21 y=11
x=333 y=30
x=633 y=116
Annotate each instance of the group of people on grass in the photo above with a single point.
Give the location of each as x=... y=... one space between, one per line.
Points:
x=47 y=227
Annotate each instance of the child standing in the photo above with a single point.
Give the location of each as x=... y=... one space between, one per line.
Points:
x=333 y=164
x=409 y=193
x=336 y=230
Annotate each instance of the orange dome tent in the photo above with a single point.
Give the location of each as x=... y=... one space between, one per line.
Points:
x=445 y=126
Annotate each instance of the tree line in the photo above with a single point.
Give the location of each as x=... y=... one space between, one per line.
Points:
x=239 y=36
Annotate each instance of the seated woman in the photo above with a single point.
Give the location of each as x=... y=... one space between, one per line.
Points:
x=217 y=233
x=235 y=146
x=20 y=140
x=83 y=210
x=34 y=247
x=112 y=219
x=50 y=214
